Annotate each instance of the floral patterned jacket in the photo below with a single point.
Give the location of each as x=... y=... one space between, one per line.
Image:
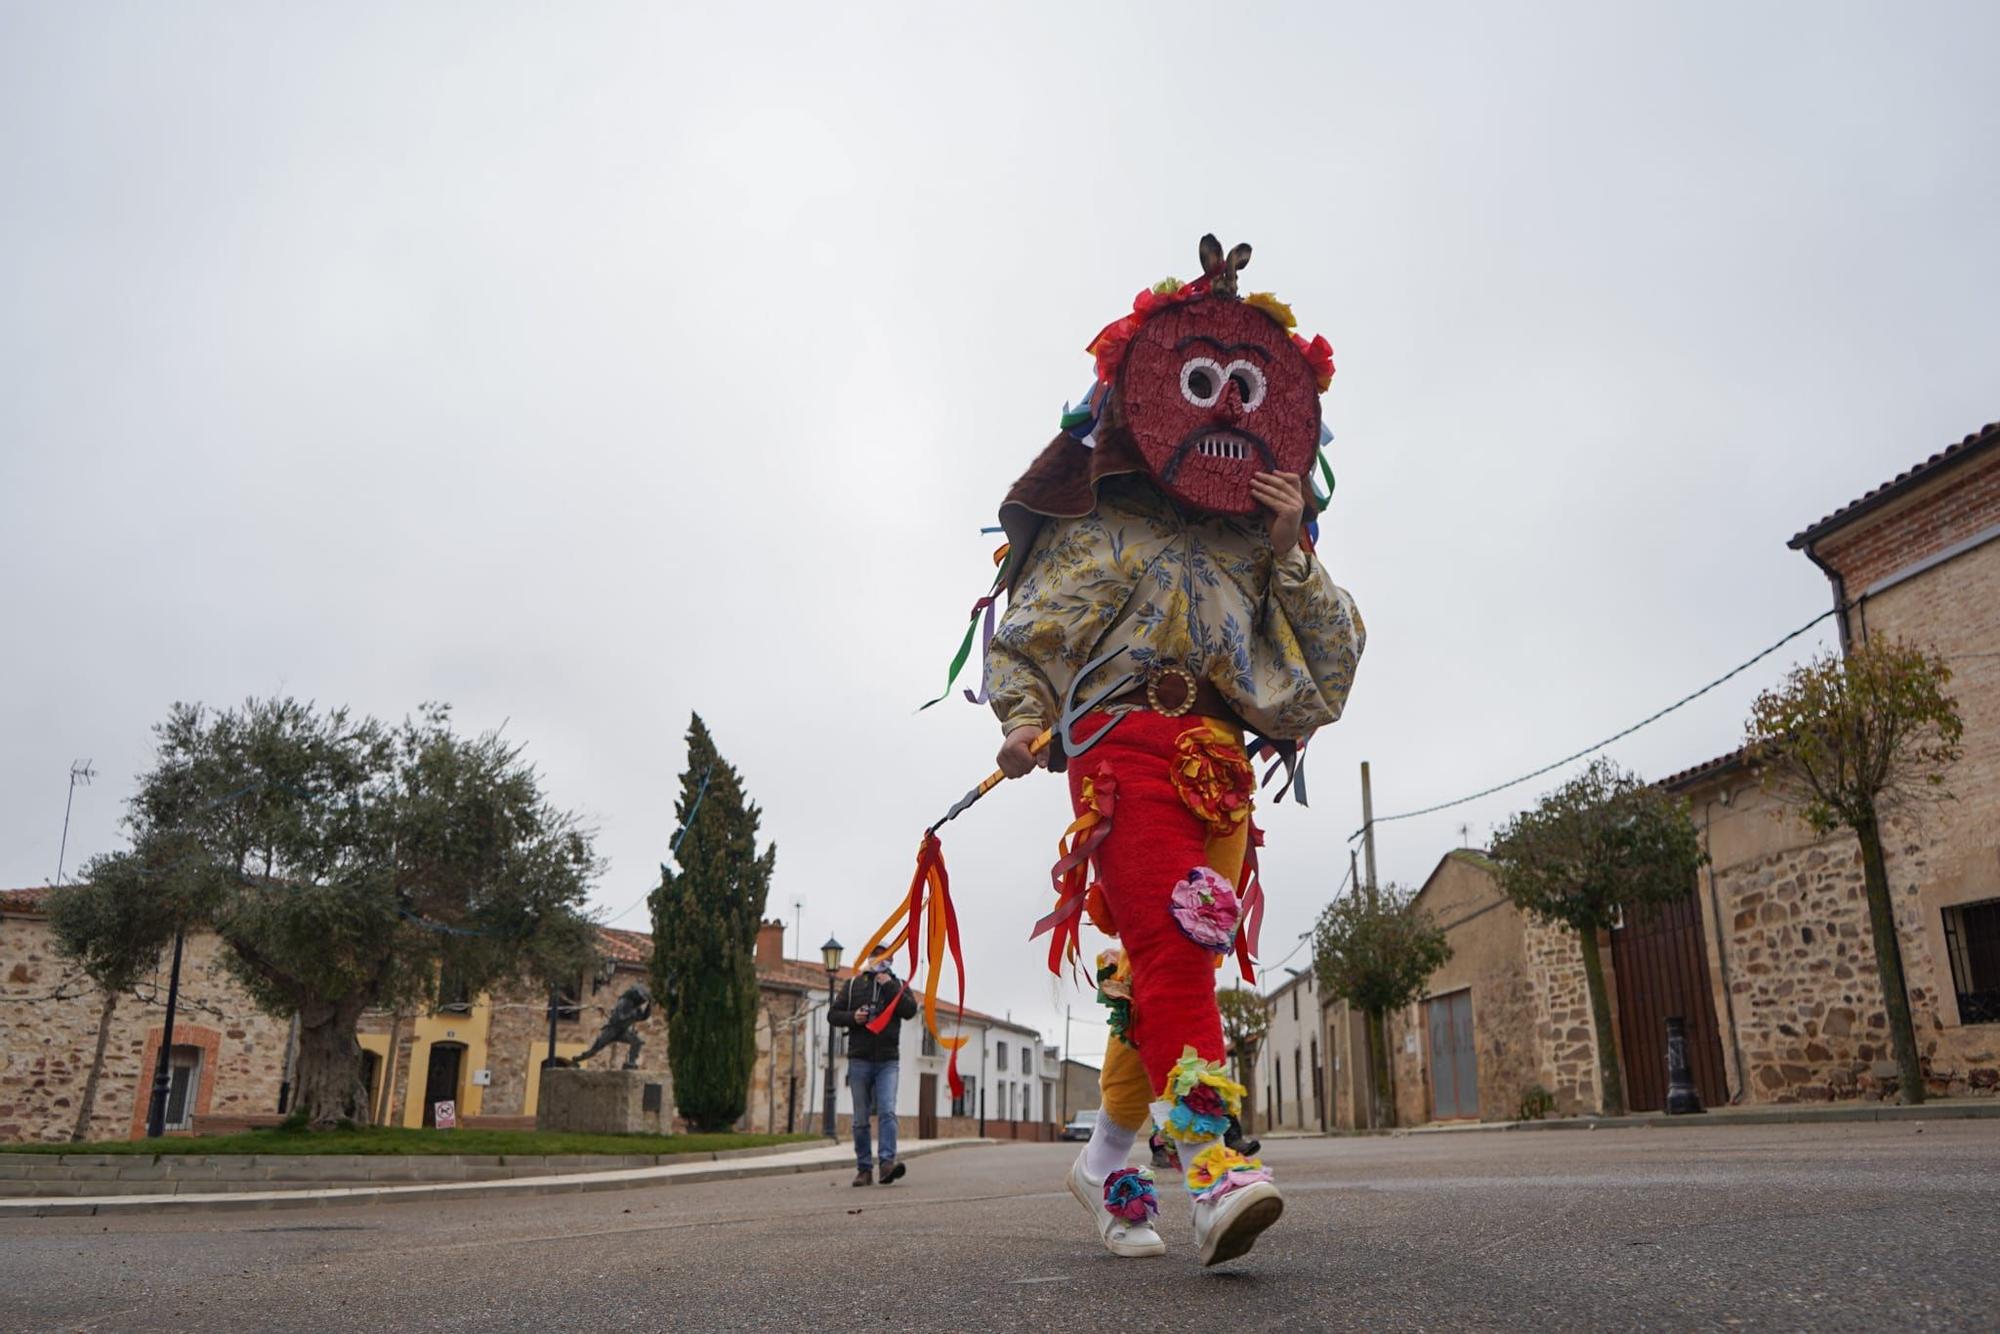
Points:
x=1277 y=638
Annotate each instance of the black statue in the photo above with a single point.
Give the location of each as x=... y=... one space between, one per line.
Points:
x=622 y=1025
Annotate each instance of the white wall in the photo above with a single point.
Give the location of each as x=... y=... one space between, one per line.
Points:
x=1286 y=1063
x=1017 y=1086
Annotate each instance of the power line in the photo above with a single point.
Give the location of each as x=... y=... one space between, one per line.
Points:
x=1616 y=736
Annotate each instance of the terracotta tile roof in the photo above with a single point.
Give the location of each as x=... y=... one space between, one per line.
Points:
x=633 y=947
x=23 y=900
x=1950 y=456
x=1693 y=776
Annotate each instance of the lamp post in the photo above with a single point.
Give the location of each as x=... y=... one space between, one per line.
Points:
x=830 y=952
x=156 y=1113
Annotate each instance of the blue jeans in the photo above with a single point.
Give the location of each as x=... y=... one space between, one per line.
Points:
x=874 y=1085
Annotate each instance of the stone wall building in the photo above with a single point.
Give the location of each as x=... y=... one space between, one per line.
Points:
x=483 y=1053
x=1507 y=1014
x=226 y=1057
x=1917 y=559
x=1769 y=962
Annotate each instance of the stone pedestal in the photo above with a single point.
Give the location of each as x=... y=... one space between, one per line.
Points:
x=604 y=1102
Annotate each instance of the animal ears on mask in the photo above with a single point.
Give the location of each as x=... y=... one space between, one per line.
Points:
x=1221 y=269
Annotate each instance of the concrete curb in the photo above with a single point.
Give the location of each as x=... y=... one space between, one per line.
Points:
x=41 y=1175
x=1761 y=1116
x=821 y=1158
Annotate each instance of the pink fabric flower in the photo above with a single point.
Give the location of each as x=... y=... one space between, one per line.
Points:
x=1205 y=908
x=1236 y=1178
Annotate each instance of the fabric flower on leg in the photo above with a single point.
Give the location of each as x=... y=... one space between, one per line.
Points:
x=1205 y=907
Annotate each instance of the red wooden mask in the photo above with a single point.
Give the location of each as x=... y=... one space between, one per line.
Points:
x=1213 y=392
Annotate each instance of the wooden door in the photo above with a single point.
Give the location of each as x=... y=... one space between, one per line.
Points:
x=927 y=1100
x=1662 y=973
x=1454 y=1062
x=441 y=1078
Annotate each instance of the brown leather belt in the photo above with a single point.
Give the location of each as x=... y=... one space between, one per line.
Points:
x=1169 y=693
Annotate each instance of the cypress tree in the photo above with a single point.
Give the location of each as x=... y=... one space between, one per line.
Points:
x=705 y=919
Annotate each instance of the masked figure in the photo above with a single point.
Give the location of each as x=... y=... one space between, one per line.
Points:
x=1173 y=519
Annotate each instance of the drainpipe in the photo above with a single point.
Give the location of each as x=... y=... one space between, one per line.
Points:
x=1722 y=950
x=1839 y=594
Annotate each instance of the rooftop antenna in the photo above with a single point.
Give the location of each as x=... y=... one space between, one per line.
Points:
x=79 y=772
x=1465 y=836
x=798 y=927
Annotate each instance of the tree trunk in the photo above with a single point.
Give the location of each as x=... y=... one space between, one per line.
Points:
x=1249 y=1082
x=1378 y=1060
x=1609 y=1080
x=1889 y=962
x=89 y=1099
x=330 y=1090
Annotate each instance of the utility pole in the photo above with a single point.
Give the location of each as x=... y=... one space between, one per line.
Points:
x=79 y=772
x=1368 y=829
x=1062 y=1070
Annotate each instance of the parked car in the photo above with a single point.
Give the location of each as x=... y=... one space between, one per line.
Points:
x=1080 y=1125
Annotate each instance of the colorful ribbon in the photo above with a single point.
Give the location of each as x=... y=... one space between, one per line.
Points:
x=1250 y=898
x=930 y=884
x=1071 y=873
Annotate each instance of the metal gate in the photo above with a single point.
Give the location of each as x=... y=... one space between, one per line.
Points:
x=1454 y=1062
x=1662 y=973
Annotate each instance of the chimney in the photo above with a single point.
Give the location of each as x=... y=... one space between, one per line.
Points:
x=770 y=944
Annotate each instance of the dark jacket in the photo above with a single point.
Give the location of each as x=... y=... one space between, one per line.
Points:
x=874 y=992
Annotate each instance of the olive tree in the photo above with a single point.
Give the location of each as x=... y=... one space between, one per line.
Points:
x=1603 y=843
x=1376 y=950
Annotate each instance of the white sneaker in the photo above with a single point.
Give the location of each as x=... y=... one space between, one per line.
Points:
x=1229 y=1227
x=1131 y=1240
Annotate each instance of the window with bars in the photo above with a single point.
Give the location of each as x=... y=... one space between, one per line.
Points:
x=183 y=1082
x=1972 y=943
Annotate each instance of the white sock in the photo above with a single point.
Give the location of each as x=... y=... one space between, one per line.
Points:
x=1108 y=1148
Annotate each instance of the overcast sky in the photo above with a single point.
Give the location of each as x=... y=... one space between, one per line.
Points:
x=584 y=366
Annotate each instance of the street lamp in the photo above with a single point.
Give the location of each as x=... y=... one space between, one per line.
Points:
x=830 y=952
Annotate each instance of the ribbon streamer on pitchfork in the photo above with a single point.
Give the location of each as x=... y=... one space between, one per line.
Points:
x=935 y=942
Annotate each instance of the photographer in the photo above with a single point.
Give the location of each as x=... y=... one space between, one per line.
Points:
x=872 y=1008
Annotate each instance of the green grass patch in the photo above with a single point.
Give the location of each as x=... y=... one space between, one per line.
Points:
x=396 y=1140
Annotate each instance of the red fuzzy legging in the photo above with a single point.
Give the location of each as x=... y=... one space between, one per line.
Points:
x=1156 y=838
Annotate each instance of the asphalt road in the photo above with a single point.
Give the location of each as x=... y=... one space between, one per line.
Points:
x=1882 y=1226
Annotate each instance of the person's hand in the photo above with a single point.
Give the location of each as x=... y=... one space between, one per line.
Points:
x=1281 y=494
x=1017 y=755
x=861 y=1015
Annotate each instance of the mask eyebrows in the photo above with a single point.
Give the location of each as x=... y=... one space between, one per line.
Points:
x=1220 y=346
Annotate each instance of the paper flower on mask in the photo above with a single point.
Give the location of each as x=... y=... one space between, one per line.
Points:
x=1319 y=355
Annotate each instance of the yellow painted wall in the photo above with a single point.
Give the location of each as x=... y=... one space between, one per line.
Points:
x=471 y=1029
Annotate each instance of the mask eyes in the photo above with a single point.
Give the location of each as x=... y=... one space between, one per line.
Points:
x=1201 y=381
x=1249 y=381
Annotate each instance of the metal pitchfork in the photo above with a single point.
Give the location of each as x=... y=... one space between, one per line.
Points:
x=1061 y=740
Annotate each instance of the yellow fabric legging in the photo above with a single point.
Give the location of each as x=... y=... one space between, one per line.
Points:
x=1128 y=1093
